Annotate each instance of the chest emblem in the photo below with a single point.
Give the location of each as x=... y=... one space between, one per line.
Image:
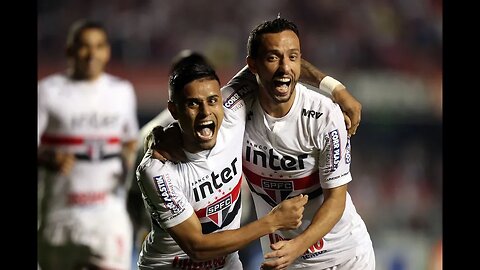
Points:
x=277 y=190
x=218 y=211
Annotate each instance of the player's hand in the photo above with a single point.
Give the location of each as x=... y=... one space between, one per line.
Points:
x=166 y=143
x=64 y=162
x=351 y=108
x=283 y=254
x=288 y=214
x=56 y=160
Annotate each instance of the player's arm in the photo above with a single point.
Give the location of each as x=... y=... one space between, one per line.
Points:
x=130 y=128
x=351 y=108
x=329 y=213
x=199 y=246
x=334 y=177
x=170 y=208
x=51 y=159
x=128 y=153
x=135 y=206
x=47 y=157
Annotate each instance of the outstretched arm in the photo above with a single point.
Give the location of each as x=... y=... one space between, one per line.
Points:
x=351 y=108
x=176 y=215
x=199 y=246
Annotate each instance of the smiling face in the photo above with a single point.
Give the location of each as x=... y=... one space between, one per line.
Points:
x=199 y=111
x=277 y=67
x=89 y=54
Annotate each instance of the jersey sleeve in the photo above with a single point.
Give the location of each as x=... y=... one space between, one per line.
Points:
x=238 y=94
x=42 y=112
x=162 y=192
x=131 y=129
x=316 y=89
x=334 y=160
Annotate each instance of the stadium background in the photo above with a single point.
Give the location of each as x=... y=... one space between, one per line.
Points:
x=387 y=52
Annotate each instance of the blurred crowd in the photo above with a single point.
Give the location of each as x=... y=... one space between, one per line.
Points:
x=397 y=155
x=403 y=35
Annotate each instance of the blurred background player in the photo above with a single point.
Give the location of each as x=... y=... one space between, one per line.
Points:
x=87 y=136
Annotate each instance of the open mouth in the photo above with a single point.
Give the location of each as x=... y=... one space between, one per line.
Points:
x=205 y=130
x=282 y=85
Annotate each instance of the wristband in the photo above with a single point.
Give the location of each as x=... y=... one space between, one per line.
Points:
x=328 y=84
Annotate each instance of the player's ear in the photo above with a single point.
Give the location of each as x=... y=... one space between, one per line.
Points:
x=173 y=109
x=251 y=65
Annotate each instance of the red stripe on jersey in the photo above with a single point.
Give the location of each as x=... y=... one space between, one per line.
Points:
x=298 y=183
x=235 y=192
x=70 y=140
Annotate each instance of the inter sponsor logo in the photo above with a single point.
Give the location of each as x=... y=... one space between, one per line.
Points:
x=217 y=212
x=275 y=162
x=218 y=180
x=311 y=113
x=94 y=120
x=163 y=189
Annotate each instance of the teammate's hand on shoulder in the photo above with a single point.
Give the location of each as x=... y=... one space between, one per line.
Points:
x=166 y=143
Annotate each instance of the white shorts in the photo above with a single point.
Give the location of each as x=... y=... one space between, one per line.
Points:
x=99 y=235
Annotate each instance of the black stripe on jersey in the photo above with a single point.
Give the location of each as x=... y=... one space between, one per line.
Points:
x=272 y=203
x=209 y=227
x=101 y=157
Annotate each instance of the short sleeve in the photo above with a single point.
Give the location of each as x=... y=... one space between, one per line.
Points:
x=334 y=161
x=42 y=112
x=238 y=94
x=131 y=128
x=162 y=193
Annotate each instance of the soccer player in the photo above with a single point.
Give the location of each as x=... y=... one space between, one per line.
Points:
x=195 y=206
x=296 y=142
x=87 y=133
x=140 y=217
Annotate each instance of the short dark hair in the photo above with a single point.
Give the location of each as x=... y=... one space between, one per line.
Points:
x=76 y=29
x=275 y=26
x=187 y=73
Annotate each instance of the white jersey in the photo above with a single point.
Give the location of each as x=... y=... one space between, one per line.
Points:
x=301 y=153
x=208 y=185
x=91 y=120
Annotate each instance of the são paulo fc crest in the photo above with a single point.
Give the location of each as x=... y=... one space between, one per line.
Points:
x=218 y=211
x=277 y=190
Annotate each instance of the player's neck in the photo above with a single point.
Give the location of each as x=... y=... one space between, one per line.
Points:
x=80 y=76
x=275 y=108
